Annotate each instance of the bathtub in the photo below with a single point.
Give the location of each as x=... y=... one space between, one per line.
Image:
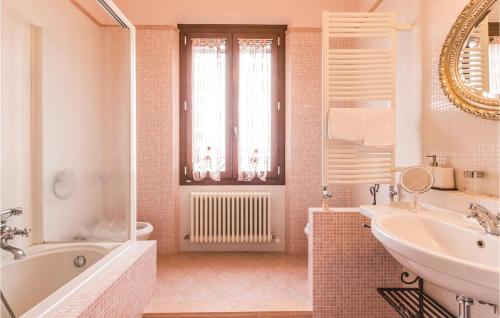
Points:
x=48 y=274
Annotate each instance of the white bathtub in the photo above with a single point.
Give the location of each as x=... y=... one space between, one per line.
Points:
x=34 y=285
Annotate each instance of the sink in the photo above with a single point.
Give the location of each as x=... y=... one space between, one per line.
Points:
x=450 y=252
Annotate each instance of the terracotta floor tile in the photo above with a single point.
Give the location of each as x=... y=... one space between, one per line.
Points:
x=231 y=285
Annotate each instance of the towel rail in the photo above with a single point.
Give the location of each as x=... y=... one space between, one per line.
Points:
x=357 y=75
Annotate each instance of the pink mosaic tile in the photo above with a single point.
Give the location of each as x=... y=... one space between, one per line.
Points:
x=157 y=134
x=157 y=130
x=348 y=264
x=122 y=289
x=303 y=135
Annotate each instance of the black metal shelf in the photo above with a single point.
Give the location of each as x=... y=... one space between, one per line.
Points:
x=414 y=302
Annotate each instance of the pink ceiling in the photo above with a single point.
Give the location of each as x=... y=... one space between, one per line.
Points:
x=295 y=13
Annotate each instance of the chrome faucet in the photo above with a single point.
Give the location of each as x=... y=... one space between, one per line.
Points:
x=7 y=233
x=392 y=193
x=325 y=195
x=485 y=218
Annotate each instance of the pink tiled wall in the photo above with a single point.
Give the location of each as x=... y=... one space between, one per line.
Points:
x=157 y=131
x=348 y=264
x=157 y=141
x=303 y=135
x=123 y=289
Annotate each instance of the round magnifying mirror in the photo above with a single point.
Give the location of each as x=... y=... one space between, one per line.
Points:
x=416 y=179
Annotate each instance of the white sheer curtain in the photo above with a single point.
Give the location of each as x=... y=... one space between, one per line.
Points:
x=209 y=108
x=494 y=67
x=254 y=109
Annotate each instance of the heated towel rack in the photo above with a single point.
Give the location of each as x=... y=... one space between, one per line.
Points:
x=360 y=74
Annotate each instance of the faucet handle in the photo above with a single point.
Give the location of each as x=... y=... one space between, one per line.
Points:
x=23 y=232
x=476 y=209
x=472 y=214
x=5 y=214
x=326 y=194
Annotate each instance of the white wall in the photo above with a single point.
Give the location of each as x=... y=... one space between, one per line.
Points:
x=408 y=92
x=418 y=52
x=15 y=121
x=459 y=139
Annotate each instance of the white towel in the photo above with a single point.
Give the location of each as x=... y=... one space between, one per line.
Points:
x=366 y=126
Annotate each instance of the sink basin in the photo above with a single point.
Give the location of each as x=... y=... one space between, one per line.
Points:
x=452 y=253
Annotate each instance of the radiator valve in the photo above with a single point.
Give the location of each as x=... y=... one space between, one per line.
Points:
x=276 y=237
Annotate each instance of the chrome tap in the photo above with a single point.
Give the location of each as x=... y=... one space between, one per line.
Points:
x=325 y=195
x=485 y=218
x=7 y=233
x=392 y=193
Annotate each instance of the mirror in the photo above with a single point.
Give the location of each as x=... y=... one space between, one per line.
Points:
x=470 y=60
x=416 y=179
x=479 y=64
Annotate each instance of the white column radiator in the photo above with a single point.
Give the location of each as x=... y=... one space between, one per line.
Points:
x=232 y=217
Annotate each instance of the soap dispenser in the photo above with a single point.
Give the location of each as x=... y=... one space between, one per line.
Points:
x=444 y=177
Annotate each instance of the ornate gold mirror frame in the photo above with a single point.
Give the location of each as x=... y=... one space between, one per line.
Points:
x=453 y=87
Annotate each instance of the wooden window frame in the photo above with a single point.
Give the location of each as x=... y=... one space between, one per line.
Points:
x=231 y=33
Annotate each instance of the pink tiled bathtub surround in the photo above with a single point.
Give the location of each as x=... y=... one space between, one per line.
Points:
x=121 y=290
x=348 y=264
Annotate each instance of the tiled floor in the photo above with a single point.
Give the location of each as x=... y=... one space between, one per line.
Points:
x=245 y=285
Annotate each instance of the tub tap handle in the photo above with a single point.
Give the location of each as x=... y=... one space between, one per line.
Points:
x=5 y=214
x=326 y=194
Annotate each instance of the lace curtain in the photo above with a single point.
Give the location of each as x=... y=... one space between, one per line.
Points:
x=208 y=103
x=254 y=109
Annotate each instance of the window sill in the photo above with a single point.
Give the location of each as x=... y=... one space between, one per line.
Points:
x=210 y=182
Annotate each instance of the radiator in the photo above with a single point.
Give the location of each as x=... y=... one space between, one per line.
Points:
x=237 y=217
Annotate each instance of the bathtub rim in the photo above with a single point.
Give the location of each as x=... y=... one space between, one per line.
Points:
x=57 y=298
x=49 y=248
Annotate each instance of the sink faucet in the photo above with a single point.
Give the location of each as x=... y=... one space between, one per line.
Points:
x=7 y=233
x=392 y=193
x=485 y=218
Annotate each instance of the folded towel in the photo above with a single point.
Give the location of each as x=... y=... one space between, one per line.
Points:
x=366 y=126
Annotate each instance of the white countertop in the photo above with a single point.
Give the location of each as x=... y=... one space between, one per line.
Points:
x=353 y=209
x=370 y=211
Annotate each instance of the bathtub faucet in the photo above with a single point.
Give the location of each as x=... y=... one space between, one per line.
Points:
x=325 y=195
x=8 y=233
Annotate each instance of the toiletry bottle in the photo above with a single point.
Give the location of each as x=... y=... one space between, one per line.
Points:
x=444 y=177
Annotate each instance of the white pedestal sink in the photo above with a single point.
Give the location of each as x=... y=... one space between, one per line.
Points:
x=444 y=249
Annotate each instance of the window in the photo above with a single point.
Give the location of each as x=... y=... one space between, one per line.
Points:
x=232 y=107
